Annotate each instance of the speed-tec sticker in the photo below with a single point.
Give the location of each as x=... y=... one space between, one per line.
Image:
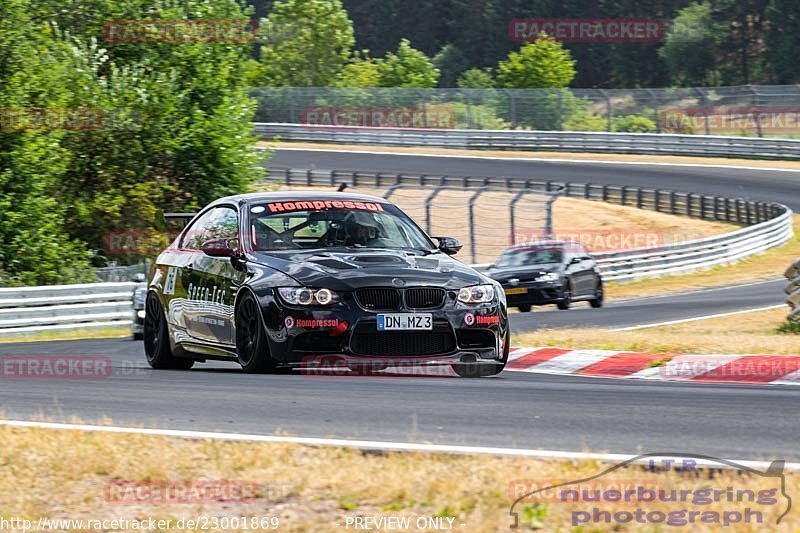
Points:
x=169 y=281
x=318 y=205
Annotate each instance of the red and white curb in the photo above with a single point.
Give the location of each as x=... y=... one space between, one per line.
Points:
x=712 y=368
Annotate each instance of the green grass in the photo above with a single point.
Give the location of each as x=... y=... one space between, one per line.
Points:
x=46 y=336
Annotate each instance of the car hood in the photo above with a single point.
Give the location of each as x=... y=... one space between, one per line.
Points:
x=522 y=273
x=376 y=268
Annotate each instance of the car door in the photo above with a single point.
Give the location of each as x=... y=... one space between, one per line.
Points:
x=579 y=270
x=585 y=272
x=212 y=281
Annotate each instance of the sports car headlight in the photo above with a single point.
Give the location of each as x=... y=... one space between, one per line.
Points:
x=306 y=296
x=550 y=276
x=139 y=296
x=477 y=294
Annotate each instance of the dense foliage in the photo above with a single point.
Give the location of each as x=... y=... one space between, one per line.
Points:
x=170 y=129
x=724 y=42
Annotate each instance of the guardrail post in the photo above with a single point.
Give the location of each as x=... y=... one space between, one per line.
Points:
x=548 y=221
x=472 y=199
x=512 y=219
x=428 y=201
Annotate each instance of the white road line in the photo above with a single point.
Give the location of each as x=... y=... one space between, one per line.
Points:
x=381 y=445
x=698 y=318
x=538 y=159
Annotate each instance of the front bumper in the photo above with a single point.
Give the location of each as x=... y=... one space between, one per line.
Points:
x=534 y=293
x=137 y=322
x=348 y=334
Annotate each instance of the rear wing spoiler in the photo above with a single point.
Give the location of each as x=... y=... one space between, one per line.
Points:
x=184 y=218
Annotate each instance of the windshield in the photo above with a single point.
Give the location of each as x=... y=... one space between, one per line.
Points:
x=537 y=256
x=320 y=224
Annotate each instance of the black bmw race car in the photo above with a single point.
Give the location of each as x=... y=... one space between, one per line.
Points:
x=300 y=279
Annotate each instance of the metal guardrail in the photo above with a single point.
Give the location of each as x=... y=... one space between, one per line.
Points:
x=59 y=307
x=793 y=290
x=561 y=141
x=768 y=224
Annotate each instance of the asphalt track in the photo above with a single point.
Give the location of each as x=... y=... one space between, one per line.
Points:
x=655 y=309
x=753 y=184
x=515 y=410
x=512 y=410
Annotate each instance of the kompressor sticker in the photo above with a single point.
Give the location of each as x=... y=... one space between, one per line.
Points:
x=319 y=205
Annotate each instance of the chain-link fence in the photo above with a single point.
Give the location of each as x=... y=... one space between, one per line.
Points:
x=487 y=220
x=750 y=110
x=121 y=273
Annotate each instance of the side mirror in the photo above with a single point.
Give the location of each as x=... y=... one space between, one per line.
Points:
x=449 y=245
x=221 y=247
x=576 y=260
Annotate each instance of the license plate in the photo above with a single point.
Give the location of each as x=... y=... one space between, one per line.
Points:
x=401 y=321
x=517 y=290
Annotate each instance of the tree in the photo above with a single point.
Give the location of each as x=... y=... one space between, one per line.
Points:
x=451 y=63
x=361 y=71
x=407 y=68
x=35 y=247
x=544 y=63
x=308 y=42
x=689 y=48
x=476 y=78
x=783 y=40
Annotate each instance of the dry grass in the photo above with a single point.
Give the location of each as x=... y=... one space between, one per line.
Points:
x=771 y=264
x=46 y=336
x=63 y=474
x=747 y=333
x=545 y=155
x=600 y=226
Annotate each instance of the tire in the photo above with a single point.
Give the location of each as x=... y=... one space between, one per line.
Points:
x=567 y=301
x=524 y=308
x=252 y=350
x=138 y=336
x=156 y=339
x=488 y=369
x=599 y=295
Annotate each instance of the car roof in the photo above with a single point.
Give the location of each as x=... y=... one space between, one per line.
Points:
x=257 y=197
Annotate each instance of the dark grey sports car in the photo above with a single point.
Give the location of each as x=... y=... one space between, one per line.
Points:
x=290 y=279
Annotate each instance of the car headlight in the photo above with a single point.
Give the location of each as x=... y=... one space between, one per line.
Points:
x=139 y=296
x=550 y=276
x=306 y=296
x=477 y=294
